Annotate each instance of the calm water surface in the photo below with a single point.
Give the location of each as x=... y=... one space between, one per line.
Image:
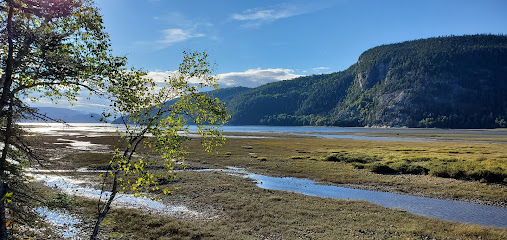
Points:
x=100 y=129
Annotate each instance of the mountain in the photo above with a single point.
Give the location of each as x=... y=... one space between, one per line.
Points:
x=68 y=115
x=448 y=82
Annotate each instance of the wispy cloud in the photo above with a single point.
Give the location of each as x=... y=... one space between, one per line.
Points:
x=174 y=35
x=256 y=77
x=180 y=29
x=255 y=17
x=320 y=69
x=265 y=15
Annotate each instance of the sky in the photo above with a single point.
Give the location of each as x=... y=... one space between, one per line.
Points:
x=254 y=42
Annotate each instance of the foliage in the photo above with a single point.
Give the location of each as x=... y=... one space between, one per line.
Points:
x=50 y=49
x=445 y=82
x=142 y=108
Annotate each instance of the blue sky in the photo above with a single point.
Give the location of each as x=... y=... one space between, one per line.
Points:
x=258 y=41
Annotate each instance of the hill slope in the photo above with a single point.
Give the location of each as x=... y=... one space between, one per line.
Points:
x=455 y=82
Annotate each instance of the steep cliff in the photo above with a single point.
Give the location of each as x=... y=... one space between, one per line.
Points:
x=450 y=82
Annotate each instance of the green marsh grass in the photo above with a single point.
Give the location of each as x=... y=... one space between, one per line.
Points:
x=449 y=170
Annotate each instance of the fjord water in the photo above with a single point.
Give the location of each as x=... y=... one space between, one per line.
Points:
x=359 y=133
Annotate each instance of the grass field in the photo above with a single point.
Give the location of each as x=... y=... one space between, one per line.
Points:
x=355 y=161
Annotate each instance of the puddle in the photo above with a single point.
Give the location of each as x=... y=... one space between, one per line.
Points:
x=73 y=129
x=79 y=170
x=82 y=145
x=64 y=224
x=75 y=187
x=436 y=208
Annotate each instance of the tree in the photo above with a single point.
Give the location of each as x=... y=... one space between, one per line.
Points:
x=53 y=48
x=144 y=110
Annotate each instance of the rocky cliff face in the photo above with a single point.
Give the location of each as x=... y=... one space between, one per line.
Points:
x=456 y=82
x=431 y=82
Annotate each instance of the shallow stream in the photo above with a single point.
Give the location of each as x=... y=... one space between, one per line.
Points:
x=457 y=211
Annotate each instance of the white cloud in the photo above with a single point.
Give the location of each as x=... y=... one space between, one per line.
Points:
x=248 y=78
x=255 y=17
x=264 y=15
x=159 y=77
x=180 y=28
x=255 y=77
x=84 y=102
x=320 y=68
x=174 y=35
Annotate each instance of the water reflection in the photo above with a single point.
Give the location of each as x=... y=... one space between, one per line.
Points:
x=64 y=224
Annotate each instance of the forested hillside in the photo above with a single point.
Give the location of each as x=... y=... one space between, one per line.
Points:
x=449 y=82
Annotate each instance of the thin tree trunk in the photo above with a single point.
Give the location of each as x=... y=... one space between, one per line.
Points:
x=7 y=81
x=6 y=94
x=106 y=208
x=3 y=184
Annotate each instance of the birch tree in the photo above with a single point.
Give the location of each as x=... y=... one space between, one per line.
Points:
x=143 y=109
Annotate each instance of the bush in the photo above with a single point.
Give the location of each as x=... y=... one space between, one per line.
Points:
x=380 y=168
x=61 y=200
x=408 y=168
x=487 y=175
x=351 y=158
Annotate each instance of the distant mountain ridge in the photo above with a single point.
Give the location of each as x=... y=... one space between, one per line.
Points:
x=68 y=115
x=448 y=82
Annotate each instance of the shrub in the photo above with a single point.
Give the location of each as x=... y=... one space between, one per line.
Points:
x=351 y=158
x=380 y=168
x=61 y=200
x=407 y=168
x=488 y=175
